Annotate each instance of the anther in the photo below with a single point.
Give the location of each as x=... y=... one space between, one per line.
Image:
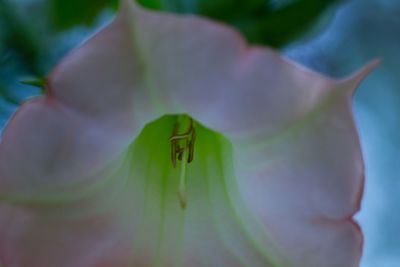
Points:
x=188 y=138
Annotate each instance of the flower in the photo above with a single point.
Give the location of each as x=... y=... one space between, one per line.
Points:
x=87 y=176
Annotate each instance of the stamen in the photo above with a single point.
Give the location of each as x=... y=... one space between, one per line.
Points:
x=182 y=183
x=188 y=137
x=191 y=146
x=182 y=149
x=174 y=145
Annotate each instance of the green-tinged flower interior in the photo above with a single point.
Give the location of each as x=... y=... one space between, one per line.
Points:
x=193 y=207
x=179 y=150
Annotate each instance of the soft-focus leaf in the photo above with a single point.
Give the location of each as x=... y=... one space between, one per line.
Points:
x=38 y=82
x=5 y=95
x=261 y=21
x=18 y=39
x=66 y=14
x=284 y=25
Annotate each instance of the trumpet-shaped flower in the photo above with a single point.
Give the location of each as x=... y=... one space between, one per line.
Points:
x=165 y=140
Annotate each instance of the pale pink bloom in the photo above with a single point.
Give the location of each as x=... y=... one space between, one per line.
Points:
x=79 y=188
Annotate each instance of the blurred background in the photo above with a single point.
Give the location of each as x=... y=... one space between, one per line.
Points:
x=335 y=37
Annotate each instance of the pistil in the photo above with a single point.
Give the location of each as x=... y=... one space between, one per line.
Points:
x=182 y=149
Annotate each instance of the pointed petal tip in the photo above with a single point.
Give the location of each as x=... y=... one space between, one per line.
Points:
x=368 y=68
x=355 y=79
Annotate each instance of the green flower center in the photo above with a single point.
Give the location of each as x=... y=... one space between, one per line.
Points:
x=173 y=142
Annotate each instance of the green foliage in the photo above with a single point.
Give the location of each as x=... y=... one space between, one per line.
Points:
x=38 y=82
x=68 y=13
x=261 y=21
x=284 y=25
x=8 y=97
x=17 y=39
x=152 y=4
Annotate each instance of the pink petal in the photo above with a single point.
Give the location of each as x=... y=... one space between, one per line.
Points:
x=305 y=184
x=296 y=154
